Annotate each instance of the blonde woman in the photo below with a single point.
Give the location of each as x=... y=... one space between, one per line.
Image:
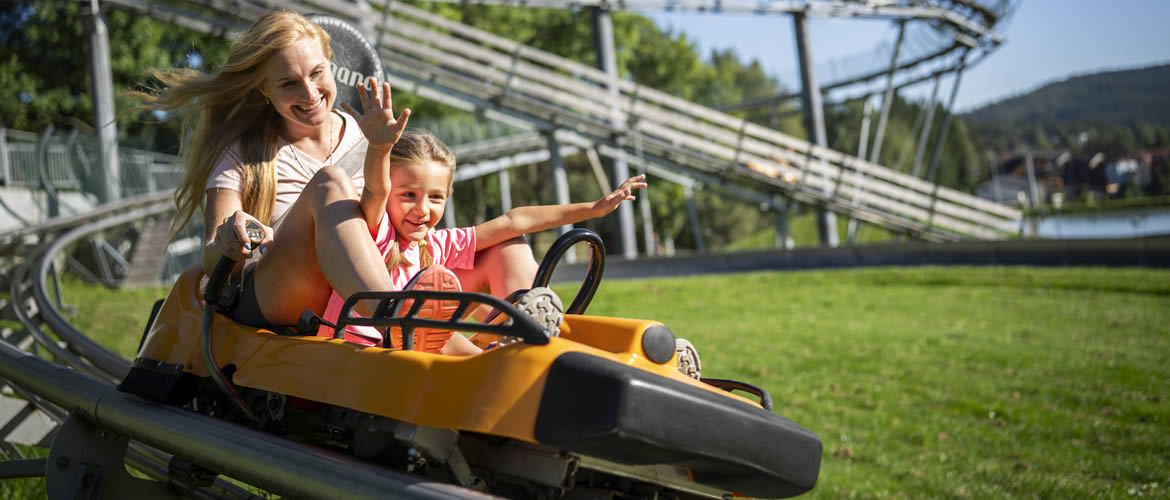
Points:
x=263 y=144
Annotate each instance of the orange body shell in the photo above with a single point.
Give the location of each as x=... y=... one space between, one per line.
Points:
x=497 y=392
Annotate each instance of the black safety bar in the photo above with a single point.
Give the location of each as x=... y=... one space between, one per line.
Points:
x=388 y=314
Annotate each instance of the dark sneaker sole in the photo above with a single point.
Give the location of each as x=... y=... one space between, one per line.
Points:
x=544 y=306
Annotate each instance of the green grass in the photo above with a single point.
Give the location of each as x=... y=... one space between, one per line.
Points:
x=922 y=382
x=116 y=318
x=945 y=382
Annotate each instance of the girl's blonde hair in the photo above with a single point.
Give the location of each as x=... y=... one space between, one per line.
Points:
x=220 y=108
x=419 y=146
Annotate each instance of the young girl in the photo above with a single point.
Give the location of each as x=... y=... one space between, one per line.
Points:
x=402 y=207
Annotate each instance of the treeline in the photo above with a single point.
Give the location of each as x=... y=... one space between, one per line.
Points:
x=1114 y=112
x=1112 y=97
x=1081 y=138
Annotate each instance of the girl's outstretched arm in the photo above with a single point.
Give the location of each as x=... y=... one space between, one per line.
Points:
x=382 y=131
x=523 y=220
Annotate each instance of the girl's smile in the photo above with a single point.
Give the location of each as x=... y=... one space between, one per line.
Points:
x=418 y=197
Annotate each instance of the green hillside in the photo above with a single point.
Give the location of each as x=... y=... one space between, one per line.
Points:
x=1114 y=97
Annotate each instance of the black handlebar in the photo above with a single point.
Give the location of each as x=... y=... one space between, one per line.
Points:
x=211 y=294
x=592 y=276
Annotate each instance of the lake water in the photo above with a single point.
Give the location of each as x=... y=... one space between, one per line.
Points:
x=1135 y=223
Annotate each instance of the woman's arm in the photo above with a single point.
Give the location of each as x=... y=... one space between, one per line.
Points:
x=523 y=220
x=223 y=229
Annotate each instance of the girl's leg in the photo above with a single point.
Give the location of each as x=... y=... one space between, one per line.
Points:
x=323 y=243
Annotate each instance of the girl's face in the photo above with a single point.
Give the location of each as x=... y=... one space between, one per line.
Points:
x=418 y=195
x=300 y=84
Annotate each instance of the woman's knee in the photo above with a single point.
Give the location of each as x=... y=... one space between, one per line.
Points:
x=332 y=181
x=509 y=265
x=515 y=251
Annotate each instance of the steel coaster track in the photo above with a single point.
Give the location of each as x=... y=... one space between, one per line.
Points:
x=36 y=247
x=78 y=392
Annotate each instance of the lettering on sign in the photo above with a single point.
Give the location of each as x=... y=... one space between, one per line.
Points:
x=345 y=76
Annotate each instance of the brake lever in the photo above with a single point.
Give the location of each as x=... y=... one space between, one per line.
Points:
x=255 y=234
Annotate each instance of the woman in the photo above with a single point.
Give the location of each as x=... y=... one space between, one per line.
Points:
x=259 y=145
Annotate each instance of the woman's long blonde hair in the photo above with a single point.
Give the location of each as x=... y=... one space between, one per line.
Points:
x=220 y=108
x=418 y=146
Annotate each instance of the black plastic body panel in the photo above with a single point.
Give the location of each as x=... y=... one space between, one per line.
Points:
x=616 y=412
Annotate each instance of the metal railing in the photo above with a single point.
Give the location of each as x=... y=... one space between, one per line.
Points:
x=68 y=165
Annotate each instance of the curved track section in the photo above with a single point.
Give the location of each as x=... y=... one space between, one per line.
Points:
x=60 y=394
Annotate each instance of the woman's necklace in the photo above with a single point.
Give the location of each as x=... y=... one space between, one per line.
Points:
x=329 y=153
x=331 y=145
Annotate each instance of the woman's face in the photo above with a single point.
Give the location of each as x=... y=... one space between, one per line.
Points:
x=300 y=84
x=418 y=196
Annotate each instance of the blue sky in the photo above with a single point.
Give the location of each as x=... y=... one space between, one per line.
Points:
x=1045 y=41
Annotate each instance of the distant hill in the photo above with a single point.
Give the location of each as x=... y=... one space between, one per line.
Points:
x=1110 y=98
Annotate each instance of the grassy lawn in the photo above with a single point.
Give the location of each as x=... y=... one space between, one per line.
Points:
x=945 y=382
x=922 y=382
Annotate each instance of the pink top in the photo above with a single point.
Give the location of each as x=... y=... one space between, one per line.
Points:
x=452 y=248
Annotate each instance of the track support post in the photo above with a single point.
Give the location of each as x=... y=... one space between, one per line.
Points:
x=87 y=461
x=814 y=120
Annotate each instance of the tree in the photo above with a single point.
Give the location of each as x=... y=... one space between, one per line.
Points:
x=45 y=80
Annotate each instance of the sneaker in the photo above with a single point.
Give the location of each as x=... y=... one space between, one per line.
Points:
x=544 y=306
x=440 y=279
x=688 y=358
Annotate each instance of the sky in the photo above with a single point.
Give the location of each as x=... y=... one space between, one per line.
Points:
x=1045 y=41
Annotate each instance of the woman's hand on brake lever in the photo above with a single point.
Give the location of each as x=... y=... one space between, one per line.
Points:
x=240 y=235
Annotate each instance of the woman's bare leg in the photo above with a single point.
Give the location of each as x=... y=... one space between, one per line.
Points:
x=323 y=240
x=501 y=269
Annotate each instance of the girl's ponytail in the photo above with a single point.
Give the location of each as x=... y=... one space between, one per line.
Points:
x=395 y=259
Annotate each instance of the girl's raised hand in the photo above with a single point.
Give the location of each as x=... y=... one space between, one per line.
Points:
x=377 y=120
x=624 y=192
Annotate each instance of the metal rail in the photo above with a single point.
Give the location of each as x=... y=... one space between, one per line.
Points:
x=83 y=397
x=276 y=464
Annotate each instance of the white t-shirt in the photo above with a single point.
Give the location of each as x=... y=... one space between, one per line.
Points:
x=294 y=168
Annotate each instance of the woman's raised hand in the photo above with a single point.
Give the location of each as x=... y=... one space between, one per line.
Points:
x=624 y=192
x=232 y=239
x=377 y=120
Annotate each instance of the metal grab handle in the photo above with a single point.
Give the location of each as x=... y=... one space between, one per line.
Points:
x=735 y=385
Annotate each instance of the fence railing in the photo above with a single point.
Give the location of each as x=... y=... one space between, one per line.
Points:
x=69 y=163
